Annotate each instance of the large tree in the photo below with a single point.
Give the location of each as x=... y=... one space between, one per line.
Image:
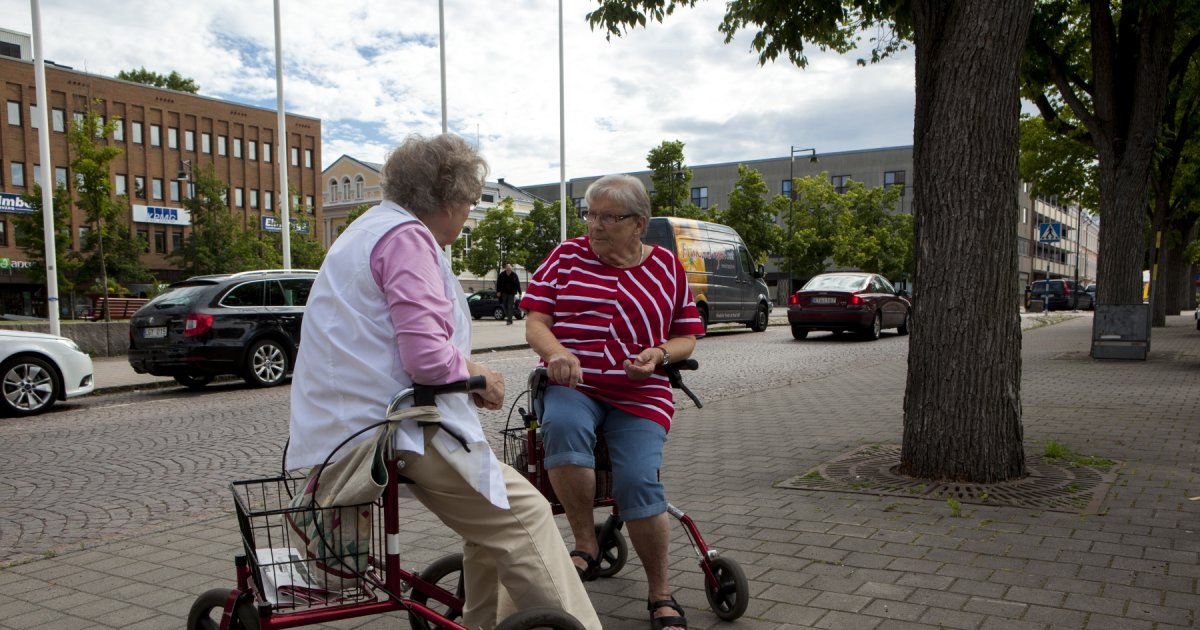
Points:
x=220 y=242
x=752 y=213
x=873 y=236
x=962 y=415
x=31 y=237
x=496 y=240
x=540 y=231
x=671 y=181
x=173 y=81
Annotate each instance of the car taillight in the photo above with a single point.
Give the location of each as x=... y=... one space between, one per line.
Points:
x=197 y=324
x=854 y=301
x=1067 y=290
x=794 y=299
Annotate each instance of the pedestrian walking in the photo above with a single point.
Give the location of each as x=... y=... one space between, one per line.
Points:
x=508 y=287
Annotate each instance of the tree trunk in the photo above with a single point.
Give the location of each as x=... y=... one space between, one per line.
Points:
x=1159 y=269
x=962 y=406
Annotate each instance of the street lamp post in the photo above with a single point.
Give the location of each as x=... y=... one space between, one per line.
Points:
x=792 y=197
x=676 y=176
x=184 y=177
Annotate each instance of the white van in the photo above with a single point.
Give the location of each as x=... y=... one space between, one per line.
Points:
x=725 y=283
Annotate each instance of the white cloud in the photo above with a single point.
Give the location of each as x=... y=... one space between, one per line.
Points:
x=370 y=71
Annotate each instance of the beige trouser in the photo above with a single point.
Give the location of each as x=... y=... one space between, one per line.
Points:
x=518 y=550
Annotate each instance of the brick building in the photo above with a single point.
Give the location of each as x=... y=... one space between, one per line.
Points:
x=162 y=134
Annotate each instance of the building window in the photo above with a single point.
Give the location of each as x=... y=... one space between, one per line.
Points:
x=160 y=241
x=139 y=186
x=308 y=158
x=79 y=119
x=3 y=233
x=156 y=188
x=266 y=151
x=466 y=239
x=220 y=145
x=121 y=184
x=172 y=138
x=267 y=200
x=253 y=198
x=251 y=150
x=1024 y=214
x=155 y=136
x=176 y=240
x=14 y=113
x=346 y=188
x=189 y=140
x=840 y=183
x=16 y=174
x=60 y=176
x=206 y=142
x=308 y=203
x=295 y=156
x=174 y=189
x=85 y=233
x=58 y=120
x=700 y=197
x=894 y=178
x=358 y=187
x=34 y=117
x=119 y=130
x=237 y=148
x=237 y=198
x=333 y=190
x=144 y=236
x=786 y=188
x=137 y=132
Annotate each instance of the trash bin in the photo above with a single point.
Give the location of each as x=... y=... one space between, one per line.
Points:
x=1121 y=331
x=1034 y=306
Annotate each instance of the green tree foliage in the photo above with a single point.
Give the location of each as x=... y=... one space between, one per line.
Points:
x=173 y=81
x=108 y=249
x=671 y=180
x=752 y=213
x=218 y=241
x=541 y=230
x=1058 y=164
x=812 y=222
x=871 y=236
x=31 y=237
x=496 y=240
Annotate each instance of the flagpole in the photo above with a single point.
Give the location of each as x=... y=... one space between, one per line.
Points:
x=39 y=65
x=562 y=134
x=442 y=50
x=281 y=162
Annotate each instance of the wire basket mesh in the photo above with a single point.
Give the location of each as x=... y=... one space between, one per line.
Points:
x=303 y=557
x=516 y=454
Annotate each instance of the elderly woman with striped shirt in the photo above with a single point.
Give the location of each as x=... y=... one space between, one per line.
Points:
x=605 y=312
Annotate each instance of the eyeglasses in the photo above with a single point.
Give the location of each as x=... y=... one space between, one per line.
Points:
x=606 y=219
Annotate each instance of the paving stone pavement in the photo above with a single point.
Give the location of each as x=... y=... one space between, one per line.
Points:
x=818 y=559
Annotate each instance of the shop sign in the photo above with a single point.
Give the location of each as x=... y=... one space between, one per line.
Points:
x=6 y=264
x=14 y=204
x=271 y=224
x=161 y=215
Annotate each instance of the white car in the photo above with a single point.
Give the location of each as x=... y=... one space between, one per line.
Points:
x=37 y=369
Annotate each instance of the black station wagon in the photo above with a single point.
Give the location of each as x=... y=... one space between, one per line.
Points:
x=246 y=324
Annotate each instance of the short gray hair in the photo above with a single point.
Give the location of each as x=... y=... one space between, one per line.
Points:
x=626 y=191
x=427 y=175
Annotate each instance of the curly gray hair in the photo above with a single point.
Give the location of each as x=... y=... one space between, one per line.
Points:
x=427 y=175
x=626 y=191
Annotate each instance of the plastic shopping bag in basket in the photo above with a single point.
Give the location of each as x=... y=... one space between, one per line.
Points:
x=334 y=513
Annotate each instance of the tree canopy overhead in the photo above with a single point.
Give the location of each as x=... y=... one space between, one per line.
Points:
x=173 y=81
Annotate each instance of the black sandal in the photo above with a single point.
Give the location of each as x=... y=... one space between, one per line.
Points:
x=658 y=623
x=593 y=565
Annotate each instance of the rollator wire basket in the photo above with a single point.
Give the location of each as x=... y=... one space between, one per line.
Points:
x=290 y=572
x=516 y=455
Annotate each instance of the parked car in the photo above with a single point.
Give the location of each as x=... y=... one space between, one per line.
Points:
x=246 y=324
x=485 y=303
x=37 y=369
x=1061 y=294
x=1091 y=291
x=862 y=302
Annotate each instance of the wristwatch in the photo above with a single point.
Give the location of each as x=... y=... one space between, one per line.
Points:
x=666 y=355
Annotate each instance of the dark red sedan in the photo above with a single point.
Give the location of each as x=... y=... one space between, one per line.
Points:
x=849 y=300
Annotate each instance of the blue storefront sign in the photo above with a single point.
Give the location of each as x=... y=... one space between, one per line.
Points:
x=271 y=224
x=14 y=204
x=161 y=215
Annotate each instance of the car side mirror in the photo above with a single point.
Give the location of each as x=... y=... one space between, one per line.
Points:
x=760 y=272
x=902 y=293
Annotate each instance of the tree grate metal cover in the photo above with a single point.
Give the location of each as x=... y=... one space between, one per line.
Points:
x=1053 y=485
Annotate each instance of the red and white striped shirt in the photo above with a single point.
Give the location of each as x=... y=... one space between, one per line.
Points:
x=604 y=315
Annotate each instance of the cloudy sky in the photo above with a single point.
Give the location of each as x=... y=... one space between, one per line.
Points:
x=370 y=71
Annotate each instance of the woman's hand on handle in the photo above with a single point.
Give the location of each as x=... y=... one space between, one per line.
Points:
x=492 y=397
x=563 y=368
x=643 y=364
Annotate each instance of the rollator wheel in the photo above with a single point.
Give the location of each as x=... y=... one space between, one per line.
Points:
x=729 y=597
x=207 y=610
x=540 y=618
x=613 y=553
x=447 y=573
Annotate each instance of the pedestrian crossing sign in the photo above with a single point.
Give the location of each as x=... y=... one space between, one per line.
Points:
x=1049 y=232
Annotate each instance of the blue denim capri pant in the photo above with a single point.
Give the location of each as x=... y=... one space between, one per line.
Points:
x=570 y=423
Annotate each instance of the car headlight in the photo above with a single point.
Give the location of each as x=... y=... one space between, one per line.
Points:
x=69 y=343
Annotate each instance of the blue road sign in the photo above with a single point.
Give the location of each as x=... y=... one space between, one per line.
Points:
x=1049 y=232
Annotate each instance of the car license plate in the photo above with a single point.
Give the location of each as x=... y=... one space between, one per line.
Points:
x=824 y=300
x=154 y=332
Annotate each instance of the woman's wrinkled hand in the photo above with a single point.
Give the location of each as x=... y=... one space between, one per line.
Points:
x=563 y=368
x=644 y=365
x=493 y=396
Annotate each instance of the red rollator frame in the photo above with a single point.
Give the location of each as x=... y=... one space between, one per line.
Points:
x=725 y=583
x=278 y=586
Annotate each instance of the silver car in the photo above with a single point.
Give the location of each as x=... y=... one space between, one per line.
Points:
x=37 y=369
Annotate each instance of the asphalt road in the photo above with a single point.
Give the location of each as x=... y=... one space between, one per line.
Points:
x=106 y=467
